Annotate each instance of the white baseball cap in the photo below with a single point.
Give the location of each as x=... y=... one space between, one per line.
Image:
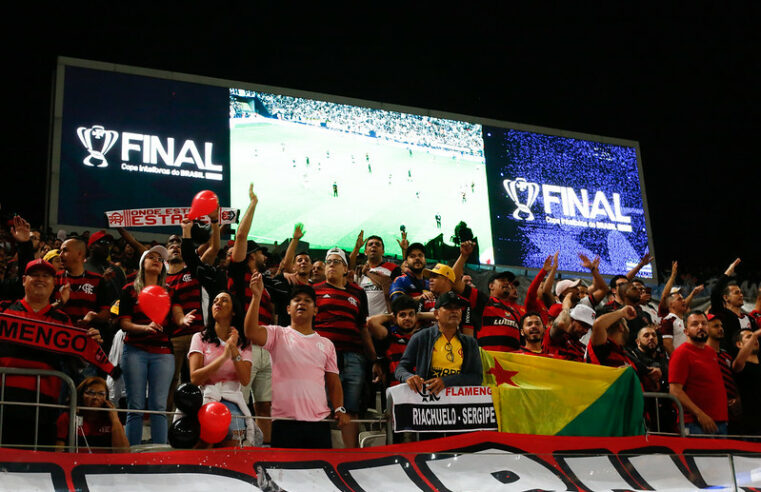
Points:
x=583 y=314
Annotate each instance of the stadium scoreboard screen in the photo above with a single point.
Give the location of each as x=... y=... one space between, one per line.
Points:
x=127 y=138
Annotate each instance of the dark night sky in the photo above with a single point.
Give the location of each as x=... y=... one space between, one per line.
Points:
x=682 y=83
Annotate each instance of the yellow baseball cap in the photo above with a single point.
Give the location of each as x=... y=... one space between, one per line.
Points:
x=51 y=254
x=444 y=270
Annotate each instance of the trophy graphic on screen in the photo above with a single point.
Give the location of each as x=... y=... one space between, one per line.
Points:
x=100 y=137
x=518 y=188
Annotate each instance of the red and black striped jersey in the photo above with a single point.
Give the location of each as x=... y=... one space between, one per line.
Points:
x=500 y=327
x=340 y=315
x=564 y=346
x=239 y=277
x=397 y=344
x=155 y=343
x=608 y=354
x=24 y=357
x=725 y=363
x=543 y=353
x=187 y=290
x=88 y=293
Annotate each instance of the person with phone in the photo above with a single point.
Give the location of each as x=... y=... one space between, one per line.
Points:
x=97 y=430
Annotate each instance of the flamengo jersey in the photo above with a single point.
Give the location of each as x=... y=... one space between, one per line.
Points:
x=672 y=326
x=397 y=344
x=20 y=356
x=87 y=294
x=608 y=354
x=500 y=328
x=187 y=289
x=154 y=343
x=725 y=363
x=340 y=314
x=564 y=347
x=238 y=284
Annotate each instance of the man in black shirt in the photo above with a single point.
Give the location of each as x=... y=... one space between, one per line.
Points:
x=748 y=376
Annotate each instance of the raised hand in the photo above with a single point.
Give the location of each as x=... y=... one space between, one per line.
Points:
x=257 y=285
x=251 y=195
x=466 y=248
x=646 y=258
x=585 y=261
x=187 y=226
x=404 y=244
x=547 y=267
x=21 y=230
x=298 y=231
x=360 y=240
x=731 y=268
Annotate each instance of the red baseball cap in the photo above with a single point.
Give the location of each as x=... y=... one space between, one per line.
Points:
x=37 y=264
x=555 y=310
x=97 y=236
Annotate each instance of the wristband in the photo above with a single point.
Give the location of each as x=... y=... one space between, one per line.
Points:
x=237 y=358
x=214 y=221
x=339 y=410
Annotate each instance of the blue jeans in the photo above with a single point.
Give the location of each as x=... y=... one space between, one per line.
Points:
x=143 y=370
x=352 y=374
x=694 y=428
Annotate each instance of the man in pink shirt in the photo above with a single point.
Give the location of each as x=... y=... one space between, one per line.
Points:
x=303 y=364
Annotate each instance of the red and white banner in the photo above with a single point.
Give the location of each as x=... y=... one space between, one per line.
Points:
x=476 y=461
x=456 y=408
x=166 y=216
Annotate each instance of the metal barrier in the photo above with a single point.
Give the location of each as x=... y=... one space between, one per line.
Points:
x=679 y=408
x=38 y=373
x=382 y=419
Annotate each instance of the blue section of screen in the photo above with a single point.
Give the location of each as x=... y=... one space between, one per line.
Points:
x=156 y=118
x=537 y=186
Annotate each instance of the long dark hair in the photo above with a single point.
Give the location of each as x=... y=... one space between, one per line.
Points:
x=210 y=334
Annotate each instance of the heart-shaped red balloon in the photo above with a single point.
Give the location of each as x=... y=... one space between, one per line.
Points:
x=154 y=301
x=204 y=203
x=214 y=418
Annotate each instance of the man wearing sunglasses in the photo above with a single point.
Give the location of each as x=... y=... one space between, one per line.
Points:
x=441 y=356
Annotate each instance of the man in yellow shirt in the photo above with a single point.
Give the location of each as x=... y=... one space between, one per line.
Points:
x=441 y=355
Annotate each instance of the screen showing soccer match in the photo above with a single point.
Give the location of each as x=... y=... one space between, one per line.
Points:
x=137 y=146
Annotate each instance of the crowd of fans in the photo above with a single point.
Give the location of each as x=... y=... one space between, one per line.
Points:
x=301 y=338
x=424 y=131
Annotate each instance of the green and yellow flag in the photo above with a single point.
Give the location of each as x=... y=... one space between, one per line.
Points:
x=541 y=395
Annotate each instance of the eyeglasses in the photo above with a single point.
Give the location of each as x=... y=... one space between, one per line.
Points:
x=450 y=354
x=334 y=262
x=100 y=394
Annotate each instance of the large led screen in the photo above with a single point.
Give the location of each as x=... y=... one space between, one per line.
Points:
x=129 y=139
x=340 y=169
x=551 y=193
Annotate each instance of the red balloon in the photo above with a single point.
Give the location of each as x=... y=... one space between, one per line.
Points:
x=154 y=301
x=214 y=418
x=204 y=203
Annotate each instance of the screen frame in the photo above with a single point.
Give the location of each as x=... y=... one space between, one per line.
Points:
x=54 y=167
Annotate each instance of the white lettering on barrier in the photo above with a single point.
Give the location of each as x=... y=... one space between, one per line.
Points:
x=493 y=469
x=387 y=477
x=660 y=472
x=165 y=482
x=26 y=481
x=597 y=473
x=297 y=479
